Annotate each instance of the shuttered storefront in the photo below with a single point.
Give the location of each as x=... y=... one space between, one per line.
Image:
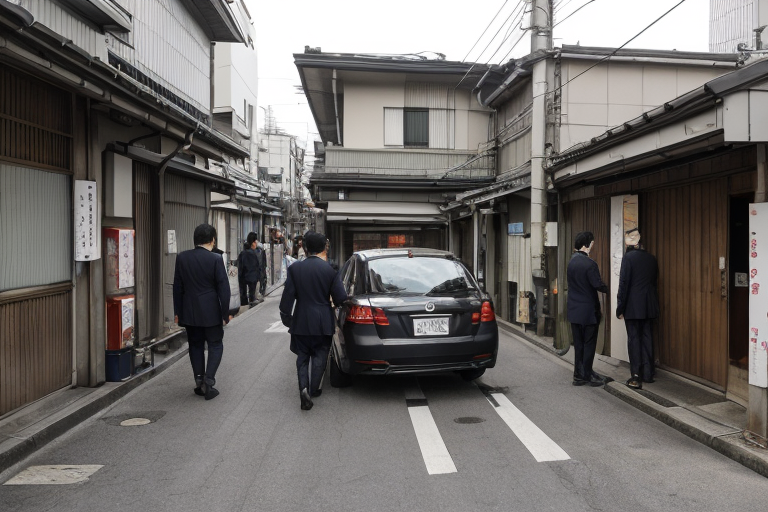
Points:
x=185 y=209
x=36 y=148
x=577 y=216
x=146 y=251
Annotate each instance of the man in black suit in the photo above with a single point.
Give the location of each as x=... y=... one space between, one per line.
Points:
x=201 y=304
x=584 y=309
x=638 y=304
x=309 y=286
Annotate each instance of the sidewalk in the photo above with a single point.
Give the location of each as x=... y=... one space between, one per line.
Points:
x=695 y=410
x=25 y=430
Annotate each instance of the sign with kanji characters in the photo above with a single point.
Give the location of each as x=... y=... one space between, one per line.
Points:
x=87 y=222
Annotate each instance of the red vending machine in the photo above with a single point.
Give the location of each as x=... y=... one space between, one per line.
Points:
x=121 y=310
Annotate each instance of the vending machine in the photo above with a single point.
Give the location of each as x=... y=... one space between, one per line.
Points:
x=121 y=304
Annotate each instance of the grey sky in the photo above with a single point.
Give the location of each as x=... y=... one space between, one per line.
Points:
x=451 y=28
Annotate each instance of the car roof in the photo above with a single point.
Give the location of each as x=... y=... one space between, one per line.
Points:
x=417 y=252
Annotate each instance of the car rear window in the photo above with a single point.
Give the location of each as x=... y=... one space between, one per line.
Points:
x=432 y=276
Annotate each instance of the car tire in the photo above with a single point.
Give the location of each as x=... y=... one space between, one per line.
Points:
x=337 y=378
x=470 y=375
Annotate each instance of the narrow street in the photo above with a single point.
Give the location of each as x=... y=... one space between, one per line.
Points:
x=427 y=443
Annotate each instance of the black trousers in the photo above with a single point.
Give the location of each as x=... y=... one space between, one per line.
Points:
x=248 y=292
x=584 y=344
x=311 y=359
x=640 y=348
x=197 y=337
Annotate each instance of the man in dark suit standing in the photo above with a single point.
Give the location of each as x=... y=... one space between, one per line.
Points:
x=201 y=304
x=310 y=285
x=638 y=304
x=584 y=309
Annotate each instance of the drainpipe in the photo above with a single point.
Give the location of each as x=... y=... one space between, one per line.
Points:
x=336 y=108
x=185 y=144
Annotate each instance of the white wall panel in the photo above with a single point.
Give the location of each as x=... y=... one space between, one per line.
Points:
x=36 y=221
x=393 y=126
x=441 y=129
x=730 y=23
x=428 y=95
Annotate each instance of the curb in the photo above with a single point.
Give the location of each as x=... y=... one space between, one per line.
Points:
x=56 y=426
x=724 y=444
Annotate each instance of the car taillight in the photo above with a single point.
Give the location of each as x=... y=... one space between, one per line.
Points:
x=367 y=315
x=486 y=313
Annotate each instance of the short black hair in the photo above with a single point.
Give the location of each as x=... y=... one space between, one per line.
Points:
x=583 y=239
x=204 y=234
x=250 y=239
x=314 y=242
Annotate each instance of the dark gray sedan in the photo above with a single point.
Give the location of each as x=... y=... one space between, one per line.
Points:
x=412 y=311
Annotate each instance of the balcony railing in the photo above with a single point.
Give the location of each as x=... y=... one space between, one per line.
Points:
x=408 y=163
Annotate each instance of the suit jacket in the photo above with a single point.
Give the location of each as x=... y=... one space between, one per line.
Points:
x=583 y=284
x=261 y=256
x=249 y=267
x=638 y=297
x=310 y=285
x=200 y=288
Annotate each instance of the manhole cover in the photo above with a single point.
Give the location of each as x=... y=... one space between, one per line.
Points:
x=466 y=420
x=135 y=418
x=135 y=422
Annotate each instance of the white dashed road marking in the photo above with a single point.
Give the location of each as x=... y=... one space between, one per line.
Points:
x=54 y=475
x=538 y=443
x=277 y=327
x=433 y=450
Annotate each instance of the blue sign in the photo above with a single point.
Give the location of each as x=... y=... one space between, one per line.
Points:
x=515 y=228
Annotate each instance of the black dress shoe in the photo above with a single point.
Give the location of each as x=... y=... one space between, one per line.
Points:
x=209 y=392
x=198 y=384
x=635 y=382
x=579 y=382
x=316 y=393
x=306 y=400
x=594 y=382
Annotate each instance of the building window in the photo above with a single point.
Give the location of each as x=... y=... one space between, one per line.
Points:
x=416 y=127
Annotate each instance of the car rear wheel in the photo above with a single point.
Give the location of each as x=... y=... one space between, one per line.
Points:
x=338 y=378
x=470 y=375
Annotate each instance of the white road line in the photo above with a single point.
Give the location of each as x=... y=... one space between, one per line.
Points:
x=538 y=443
x=436 y=456
x=277 y=327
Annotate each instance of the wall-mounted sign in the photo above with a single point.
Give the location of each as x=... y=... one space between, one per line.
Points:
x=87 y=222
x=172 y=245
x=515 y=228
x=758 y=300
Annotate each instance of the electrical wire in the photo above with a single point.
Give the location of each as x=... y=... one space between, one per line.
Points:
x=574 y=12
x=486 y=30
x=613 y=52
x=525 y=31
x=514 y=13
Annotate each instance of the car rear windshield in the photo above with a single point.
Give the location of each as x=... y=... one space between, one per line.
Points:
x=427 y=276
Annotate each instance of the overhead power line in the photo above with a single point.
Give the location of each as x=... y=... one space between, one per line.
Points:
x=681 y=2
x=486 y=30
x=574 y=12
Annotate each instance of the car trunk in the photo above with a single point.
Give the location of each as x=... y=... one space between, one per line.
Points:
x=413 y=317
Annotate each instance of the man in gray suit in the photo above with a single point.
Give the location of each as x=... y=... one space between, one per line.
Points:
x=201 y=304
x=309 y=286
x=638 y=304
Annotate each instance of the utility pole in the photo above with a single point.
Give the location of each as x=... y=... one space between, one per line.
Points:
x=541 y=41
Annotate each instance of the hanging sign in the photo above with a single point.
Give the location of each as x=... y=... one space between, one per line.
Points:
x=87 y=222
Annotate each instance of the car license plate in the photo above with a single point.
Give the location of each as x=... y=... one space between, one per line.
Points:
x=430 y=326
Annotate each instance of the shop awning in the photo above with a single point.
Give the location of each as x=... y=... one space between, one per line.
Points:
x=225 y=206
x=384 y=212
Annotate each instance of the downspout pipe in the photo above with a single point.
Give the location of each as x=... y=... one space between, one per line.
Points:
x=336 y=108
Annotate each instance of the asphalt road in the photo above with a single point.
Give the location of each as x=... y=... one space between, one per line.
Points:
x=521 y=438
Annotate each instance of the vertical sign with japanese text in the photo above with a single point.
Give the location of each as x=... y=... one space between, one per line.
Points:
x=758 y=298
x=87 y=222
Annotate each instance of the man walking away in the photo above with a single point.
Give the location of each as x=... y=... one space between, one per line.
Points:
x=584 y=309
x=311 y=323
x=201 y=305
x=249 y=271
x=638 y=304
x=261 y=256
